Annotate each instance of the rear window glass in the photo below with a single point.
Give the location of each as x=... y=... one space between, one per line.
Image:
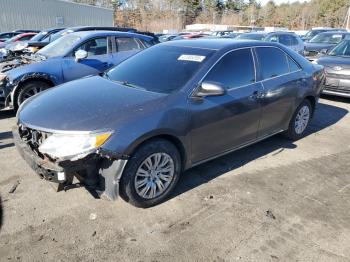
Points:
x=269 y=69
x=127 y=44
x=162 y=69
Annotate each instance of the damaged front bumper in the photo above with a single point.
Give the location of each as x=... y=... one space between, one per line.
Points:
x=98 y=172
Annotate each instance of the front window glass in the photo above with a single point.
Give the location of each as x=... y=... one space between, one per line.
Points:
x=234 y=70
x=97 y=46
x=162 y=69
x=59 y=47
x=327 y=38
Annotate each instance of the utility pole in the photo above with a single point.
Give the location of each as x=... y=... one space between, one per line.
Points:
x=347 y=20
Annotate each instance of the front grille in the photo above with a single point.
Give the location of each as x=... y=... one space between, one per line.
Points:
x=312 y=53
x=339 y=89
x=34 y=138
x=338 y=76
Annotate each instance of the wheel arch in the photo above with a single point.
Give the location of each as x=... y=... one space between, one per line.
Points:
x=180 y=146
x=29 y=78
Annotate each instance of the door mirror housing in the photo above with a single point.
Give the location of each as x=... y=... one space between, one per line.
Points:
x=80 y=54
x=324 y=51
x=210 y=89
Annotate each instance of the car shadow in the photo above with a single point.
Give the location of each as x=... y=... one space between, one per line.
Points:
x=4 y=136
x=7 y=114
x=325 y=116
x=336 y=98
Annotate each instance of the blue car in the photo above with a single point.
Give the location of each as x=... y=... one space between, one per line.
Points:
x=71 y=57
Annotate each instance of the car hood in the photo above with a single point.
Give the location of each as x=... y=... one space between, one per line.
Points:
x=27 y=64
x=89 y=104
x=334 y=61
x=317 y=46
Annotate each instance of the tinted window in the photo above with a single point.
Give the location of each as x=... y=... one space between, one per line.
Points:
x=285 y=40
x=292 y=65
x=234 y=69
x=161 y=69
x=127 y=44
x=272 y=61
x=97 y=46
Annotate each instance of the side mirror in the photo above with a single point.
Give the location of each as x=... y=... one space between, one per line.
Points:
x=80 y=54
x=324 y=52
x=210 y=89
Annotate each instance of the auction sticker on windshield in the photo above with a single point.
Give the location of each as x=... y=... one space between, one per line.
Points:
x=192 y=58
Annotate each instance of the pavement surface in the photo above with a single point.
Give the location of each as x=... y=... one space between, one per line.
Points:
x=273 y=201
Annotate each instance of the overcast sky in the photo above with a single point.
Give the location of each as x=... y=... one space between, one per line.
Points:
x=279 y=1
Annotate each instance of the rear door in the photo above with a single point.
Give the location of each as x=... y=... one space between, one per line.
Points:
x=126 y=47
x=281 y=78
x=221 y=123
x=99 y=59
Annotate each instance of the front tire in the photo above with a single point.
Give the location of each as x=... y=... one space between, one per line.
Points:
x=300 y=121
x=28 y=90
x=151 y=174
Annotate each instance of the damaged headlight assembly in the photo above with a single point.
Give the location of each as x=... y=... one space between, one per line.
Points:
x=72 y=146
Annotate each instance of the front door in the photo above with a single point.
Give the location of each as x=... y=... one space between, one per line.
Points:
x=221 y=123
x=99 y=59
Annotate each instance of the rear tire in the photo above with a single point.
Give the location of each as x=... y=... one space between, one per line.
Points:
x=28 y=90
x=151 y=174
x=300 y=121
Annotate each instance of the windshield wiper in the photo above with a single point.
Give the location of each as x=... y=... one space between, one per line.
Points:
x=126 y=83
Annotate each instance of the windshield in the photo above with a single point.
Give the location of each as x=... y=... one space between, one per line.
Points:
x=11 y=39
x=39 y=36
x=327 y=38
x=251 y=36
x=161 y=69
x=59 y=47
x=59 y=34
x=342 y=49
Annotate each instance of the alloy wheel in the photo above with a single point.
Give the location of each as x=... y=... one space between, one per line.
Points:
x=302 y=120
x=154 y=175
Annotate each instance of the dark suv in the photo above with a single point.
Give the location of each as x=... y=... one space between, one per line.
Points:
x=168 y=108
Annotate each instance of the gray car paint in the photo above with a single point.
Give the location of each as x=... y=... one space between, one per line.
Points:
x=134 y=115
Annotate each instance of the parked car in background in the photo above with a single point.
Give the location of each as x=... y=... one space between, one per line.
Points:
x=288 y=39
x=232 y=35
x=70 y=30
x=323 y=42
x=17 y=38
x=190 y=36
x=71 y=57
x=258 y=36
x=28 y=31
x=315 y=31
x=221 y=33
x=134 y=130
x=42 y=39
x=167 y=37
x=337 y=68
x=7 y=35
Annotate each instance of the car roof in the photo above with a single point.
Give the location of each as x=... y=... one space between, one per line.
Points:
x=95 y=33
x=335 y=32
x=218 y=43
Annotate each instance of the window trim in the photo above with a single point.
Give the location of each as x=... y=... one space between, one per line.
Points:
x=256 y=66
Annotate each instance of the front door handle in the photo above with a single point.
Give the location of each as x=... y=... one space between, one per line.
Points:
x=256 y=95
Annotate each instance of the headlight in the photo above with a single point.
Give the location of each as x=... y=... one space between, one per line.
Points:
x=72 y=146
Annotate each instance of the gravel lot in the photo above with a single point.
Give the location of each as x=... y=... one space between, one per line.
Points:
x=273 y=201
